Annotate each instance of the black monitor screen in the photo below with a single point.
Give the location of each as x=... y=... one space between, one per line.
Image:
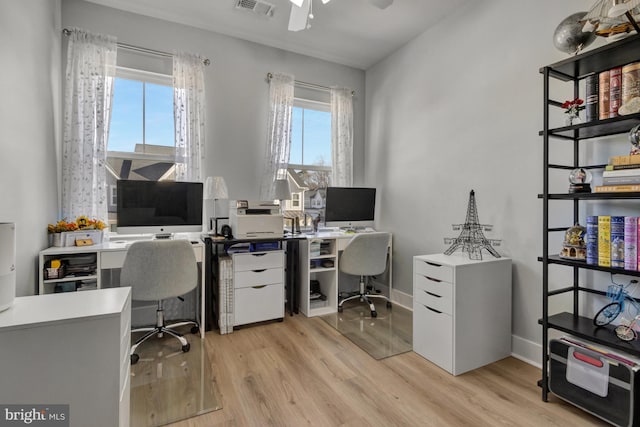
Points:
x=350 y=207
x=158 y=206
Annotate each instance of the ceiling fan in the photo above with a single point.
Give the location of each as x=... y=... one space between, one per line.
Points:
x=302 y=12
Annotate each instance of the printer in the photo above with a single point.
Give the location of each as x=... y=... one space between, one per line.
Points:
x=250 y=219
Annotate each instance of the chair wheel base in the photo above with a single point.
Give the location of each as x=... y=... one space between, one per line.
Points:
x=195 y=329
x=186 y=347
x=339 y=309
x=134 y=358
x=374 y=313
x=389 y=304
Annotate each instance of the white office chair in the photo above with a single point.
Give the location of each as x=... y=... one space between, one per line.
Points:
x=365 y=256
x=157 y=270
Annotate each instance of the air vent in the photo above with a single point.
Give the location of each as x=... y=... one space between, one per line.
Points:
x=258 y=7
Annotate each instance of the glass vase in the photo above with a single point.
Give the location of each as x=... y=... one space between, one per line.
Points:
x=572 y=118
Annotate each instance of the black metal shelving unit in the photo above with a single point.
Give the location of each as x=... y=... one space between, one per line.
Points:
x=573 y=70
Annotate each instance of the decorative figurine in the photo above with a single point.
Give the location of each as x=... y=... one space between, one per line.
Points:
x=471 y=239
x=580 y=181
x=574 y=246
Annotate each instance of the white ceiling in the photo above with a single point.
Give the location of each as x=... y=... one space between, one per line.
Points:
x=349 y=32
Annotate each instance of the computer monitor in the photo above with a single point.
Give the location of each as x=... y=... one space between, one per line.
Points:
x=350 y=207
x=158 y=207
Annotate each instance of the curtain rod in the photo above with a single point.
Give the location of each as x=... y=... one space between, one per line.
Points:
x=205 y=61
x=310 y=85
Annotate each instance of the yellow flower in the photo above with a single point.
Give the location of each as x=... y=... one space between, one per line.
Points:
x=81 y=223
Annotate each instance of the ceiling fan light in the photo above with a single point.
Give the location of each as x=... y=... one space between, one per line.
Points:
x=297 y=2
x=325 y=1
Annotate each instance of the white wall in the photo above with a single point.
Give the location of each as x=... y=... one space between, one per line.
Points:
x=29 y=114
x=456 y=109
x=237 y=91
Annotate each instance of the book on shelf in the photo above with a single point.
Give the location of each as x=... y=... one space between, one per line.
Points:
x=591 y=98
x=630 y=242
x=617 y=180
x=615 y=91
x=630 y=82
x=616 y=237
x=591 y=240
x=603 y=95
x=623 y=167
x=629 y=159
x=621 y=172
x=604 y=240
x=622 y=188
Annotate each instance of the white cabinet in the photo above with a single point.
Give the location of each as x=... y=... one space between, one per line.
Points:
x=69 y=348
x=258 y=282
x=461 y=310
x=319 y=265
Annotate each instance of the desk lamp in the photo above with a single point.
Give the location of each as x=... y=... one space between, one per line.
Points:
x=215 y=188
x=282 y=193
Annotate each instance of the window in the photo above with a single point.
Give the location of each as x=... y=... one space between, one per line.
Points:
x=141 y=134
x=310 y=158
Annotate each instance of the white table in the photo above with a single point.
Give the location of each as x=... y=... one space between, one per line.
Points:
x=111 y=255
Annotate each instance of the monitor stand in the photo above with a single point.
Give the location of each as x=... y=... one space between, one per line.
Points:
x=351 y=230
x=163 y=235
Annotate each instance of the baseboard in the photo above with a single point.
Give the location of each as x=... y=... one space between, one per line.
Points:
x=402 y=299
x=528 y=351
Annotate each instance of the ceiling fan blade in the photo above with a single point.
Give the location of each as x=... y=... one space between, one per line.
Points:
x=382 y=4
x=297 y=2
x=299 y=16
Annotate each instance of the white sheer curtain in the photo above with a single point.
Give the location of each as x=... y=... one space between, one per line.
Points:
x=189 y=115
x=342 y=137
x=91 y=60
x=281 y=88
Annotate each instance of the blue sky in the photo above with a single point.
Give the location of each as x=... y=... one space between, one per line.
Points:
x=126 y=117
x=317 y=142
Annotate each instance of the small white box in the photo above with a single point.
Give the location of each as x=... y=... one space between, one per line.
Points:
x=69 y=237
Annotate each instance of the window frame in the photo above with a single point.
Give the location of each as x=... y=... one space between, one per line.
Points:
x=146 y=77
x=310 y=104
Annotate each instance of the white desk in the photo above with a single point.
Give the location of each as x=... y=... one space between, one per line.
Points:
x=110 y=255
x=328 y=276
x=71 y=349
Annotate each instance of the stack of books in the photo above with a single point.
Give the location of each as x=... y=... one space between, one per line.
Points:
x=622 y=174
x=612 y=241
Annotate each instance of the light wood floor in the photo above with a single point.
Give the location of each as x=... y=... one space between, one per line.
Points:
x=304 y=372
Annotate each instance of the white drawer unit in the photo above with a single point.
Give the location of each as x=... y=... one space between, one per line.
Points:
x=461 y=310
x=258 y=281
x=70 y=348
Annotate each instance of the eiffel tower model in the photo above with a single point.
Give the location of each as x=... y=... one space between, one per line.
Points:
x=471 y=239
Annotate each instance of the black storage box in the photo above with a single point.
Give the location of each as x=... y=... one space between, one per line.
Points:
x=596 y=380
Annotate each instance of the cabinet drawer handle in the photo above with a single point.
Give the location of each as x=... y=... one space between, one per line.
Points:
x=258 y=254
x=259 y=286
x=259 y=271
x=432 y=294
x=432 y=279
x=433 y=264
x=432 y=309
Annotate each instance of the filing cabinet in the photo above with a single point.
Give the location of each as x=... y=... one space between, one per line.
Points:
x=258 y=282
x=461 y=310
